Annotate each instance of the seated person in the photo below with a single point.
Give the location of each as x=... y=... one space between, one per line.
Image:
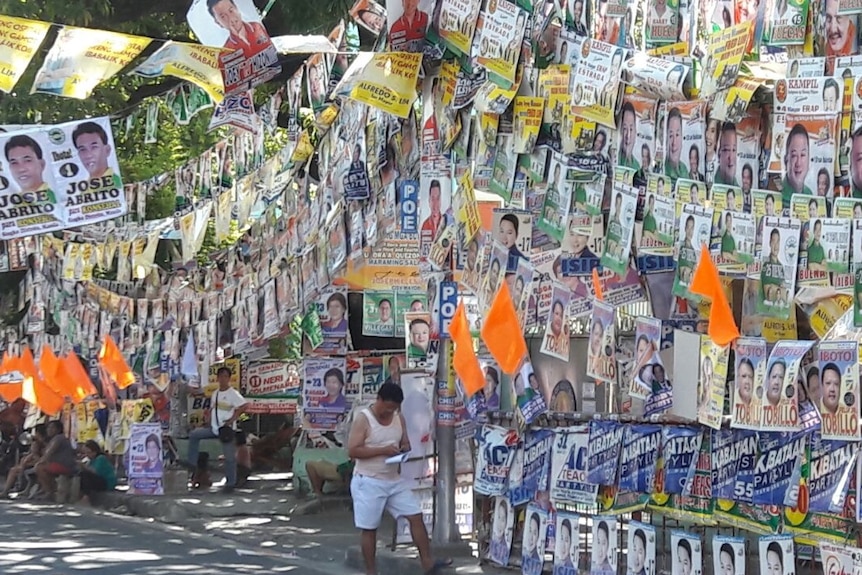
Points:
x=37 y=448
x=97 y=474
x=265 y=451
x=59 y=459
x=321 y=472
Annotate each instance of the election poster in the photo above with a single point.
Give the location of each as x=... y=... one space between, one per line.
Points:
x=728 y=555
x=689 y=191
x=662 y=78
x=527 y=122
x=494 y=459
x=190 y=62
x=435 y=208
x=636 y=142
x=567 y=552
x=408 y=24
x=686 y=553
x=457 y=23
x=505 y=166
x=553 y=87
x=568 y=467
x=684 y=144
x=603 y=554
x=780 y=409
x=725 y=49
x=558 y=199
x=776 y=555
x=421 y=344
x=779 y=251
x=272 y=380
x=501 y=31
x=856 y=269
x=733 y=240
x=496 y=273
x=808 y=151
x=695 y=226
x=601 y=349
x=647 y=344
x=657 y=230
x=556 y=338
x=839 y=390
x=680 y=448
x=639 y=457
x=750 y=369
x=324 y=404
x=711 y=383
x=733 y=460
x=386 y=81
x=808 y=210
x=19 y=41
x=146 y=459
x=513 y=229
x=407 y=302
x=502 y=531
x=764 y=203
x=249 y=57
x=332 y=310
x=833 y=463
x=603 y=452
x=785 y=22
x=534 y=537
x=595 y=80
x=778 y=472
x=378 y=313
x=661 y=25
x=618 y=240
x=370 y=15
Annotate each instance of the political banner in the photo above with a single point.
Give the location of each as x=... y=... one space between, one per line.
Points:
x=711 y=383
x=785 y=21
x=734 y=458
x=684 y=128
x=501 y=534
x=777 y=474
x=638 y=458
x=750 y=356
x=779 y=251
x=19 y=41
x=569 y=467
x=603 y=452
x=659 y=222
x=324 y=405
x=595 y=81
x=435 y=208
x=836 y=558
x=190 y=62
x=494 y=454
x=386 y=81
x=249 y=57
x=146 y=459
x=695 y=226
x=618 y=240
x=601 y=349
x=637 y=133
x=647 y=344
x=538 y=450
x=273 y=380
x=422 y=345
x=839 y=390
x=688 y=191
x=832 y=465
x=725 y=49
x=728 y=555
x=503 y=173
x=603 y=552
x=662 y=78
x=567 y=551
x=680 y=447
x=686 y=553
x=780 y=409
x=457 y=24
x=408 y=24
x=496 y=272
x=555 y=341
x=518 y=494
x=501 y=31
x=527 y=122
x=378 y=318
x=82 y=58
x=558 y=199
x=534 y=537
x=776 y=556
x=553 y=88
x=808 y=152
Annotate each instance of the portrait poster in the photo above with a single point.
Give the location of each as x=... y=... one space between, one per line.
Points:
x=725 y=49
x=332 y=310
x=556 y=338
x=776 y=555
x=648 y=332
x=689 y=191
x=534 y=538
x=686 y=553
x=567 y=537
x=711 y=383
x=421 y=348
x=659 y=223
x=527 y=122
x=378 y=313
x=641 y=549
x=620 y=228
x=457 y=23
x=808 y=151
x=146 y=459
x=501 y=533
x=661 y=23
x=728 y=555
x=595 y=81
x=733 y=240
x=601 y=350
x=749 y=373
x=684 y=140
x=839 y=390
x=780 y=397
x=558 y=199
x=636 y=142
x=500 y=35
x=435 y=205
x=324 y=405
x=407 y=302
x=695 y=227
x=603 y=555
x=408 y=24
x=521 y=287
x=784 y=23
x=764 y=203
x=779 y=251
x=496 y=272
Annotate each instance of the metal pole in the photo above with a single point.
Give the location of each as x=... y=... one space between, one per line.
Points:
x=445 y=528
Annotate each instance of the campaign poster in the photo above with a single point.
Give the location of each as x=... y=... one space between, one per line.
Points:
x=568 y=467
x=657 y=231
x=498 y=259
x=809 y=150
x=711 y=383
x=680 y=449
x=408 y=23
x=725 y=49
x=684 y=143
x=776 y=555
x=829 y=474
x=695 y=227
x=513 y=229
x=728 y=555
x=839 y=390
x=474 y=261
x=457 y=23
x=527 y=122
x=636 y=142
x=749 y=373
x=733 y=460
x=435 y=204
x=620 y=228
x=784 y=23
x=601 y=349
x=639 y=457
x=647 y=344
x=354 y=171
x=603 y=452
x=534 y=538
x=332 y=310
x=658 y=77
x=250 y=57
x=780 y=409
x=779 y=251
x=521 y=288
x=603 y=555
x=595 y=82
x=686 y=553
x=505 y=168
x=661 y=25
x=689 y=191
x=145 y=452
x=421 y=346
x=558 y=199
x=567 y=552
x=494 y=454
x=733 y=241
x=21 y=40
x=778 y=472
x=856 y=269
x=503 y=526
x=764 y=203
x=274 y=379
x=369 y=15
x=556 y=338
x=500 y=36
x=553 y=87
x=324 y=404
x=378 y=313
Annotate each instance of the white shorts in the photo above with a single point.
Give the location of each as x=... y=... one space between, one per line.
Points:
x=371 y=497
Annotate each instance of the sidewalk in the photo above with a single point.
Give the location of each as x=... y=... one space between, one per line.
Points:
x=271 y=517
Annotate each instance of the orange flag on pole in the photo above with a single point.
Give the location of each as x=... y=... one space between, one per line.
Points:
x=705 y=281
x=501 y=332
x=35 y=390
x=464 y=360
x=49 y=365
x=9 y=391
x=78 y=383
x=115 y=364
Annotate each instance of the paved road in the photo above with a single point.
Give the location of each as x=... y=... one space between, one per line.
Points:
x=64 y=540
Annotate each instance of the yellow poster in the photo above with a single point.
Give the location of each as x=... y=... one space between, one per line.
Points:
x=191 y=62
x=725 y=50
x=387 y=82
x=468 y=209
x=19 y=40
x=448 y=79
x=81 y=59
x=528 y=122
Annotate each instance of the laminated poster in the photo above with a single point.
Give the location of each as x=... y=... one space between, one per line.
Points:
x=624 y=200
x=641 y=549
x=777 y=474
x=776 y=555
x=686 y=553
x=750 y=370
x=833 y=463
x=601 y=351
x=647 y=344
x=639 y=457
x=496 y=449
x=603 y=452
x=839 y=390
x=567 y=551
x=728 y=555
x=502 y=530
x=535 y=536
x=603 y=555
x=569 y=467
x=679 y=451
x=779 y=396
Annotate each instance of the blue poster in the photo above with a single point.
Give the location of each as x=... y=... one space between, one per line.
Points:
x=734 y=455
x=779 y=468
x=409 y=207
x=537 y=459
x=638 y=458
x=569 y=468
x=603 y=454
x=832 y=463
x=518 y=494
x=496 y=449
x=680 y=446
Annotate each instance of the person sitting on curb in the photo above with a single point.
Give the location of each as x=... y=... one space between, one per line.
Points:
x=97 y=474
x=58 y=460
x=37 y=448
x=322 y=472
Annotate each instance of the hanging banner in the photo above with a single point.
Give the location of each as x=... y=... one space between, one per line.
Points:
x=569 y=467
x=733 y=460
x=777 y=474
x=603 y=452
x=386 y=81
x=496 y=450
x=679 y=450
x=832 y=465
x=82 y=58
x=190 y=62
x=19 y=41
x=638 y=458
x=777 y=557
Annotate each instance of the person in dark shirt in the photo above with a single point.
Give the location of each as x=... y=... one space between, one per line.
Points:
x=58 y=459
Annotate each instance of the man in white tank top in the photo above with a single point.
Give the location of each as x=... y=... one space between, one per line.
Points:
x=378 y=433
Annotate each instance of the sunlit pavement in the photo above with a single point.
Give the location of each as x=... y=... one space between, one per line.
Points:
x=53 y=539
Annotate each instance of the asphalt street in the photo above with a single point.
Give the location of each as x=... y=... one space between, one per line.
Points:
x=62 y=540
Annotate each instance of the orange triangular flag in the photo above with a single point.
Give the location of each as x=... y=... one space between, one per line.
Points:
x=115 y=364
x=49 y=365
x=464 y=360
x=501 y=332
x=9 y=391
x=34 y=389
x=78 y=383
x=722 y=327
x=597 y=285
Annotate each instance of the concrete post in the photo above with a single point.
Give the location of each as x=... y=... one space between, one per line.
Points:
x=445 y=527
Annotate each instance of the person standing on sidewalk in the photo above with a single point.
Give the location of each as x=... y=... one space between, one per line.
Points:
x=227 y=406
x=378 y=433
